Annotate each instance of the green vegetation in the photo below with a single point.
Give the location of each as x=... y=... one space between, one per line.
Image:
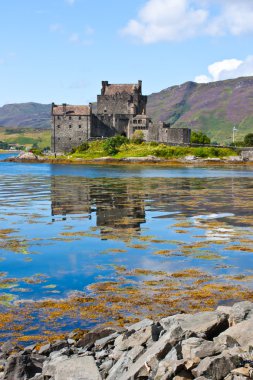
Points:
x=111 y=146
x=138 y=137
x=248 y=139
x=199 y=138
x=26 y=137
x=121 y=147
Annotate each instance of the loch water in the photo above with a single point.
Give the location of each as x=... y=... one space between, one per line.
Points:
x=82 y=245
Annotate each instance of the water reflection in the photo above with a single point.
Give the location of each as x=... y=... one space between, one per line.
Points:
x=78 y=250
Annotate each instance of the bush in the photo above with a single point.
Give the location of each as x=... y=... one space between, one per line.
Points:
x=112 y=144
x=36 y=151
x=199 y=138
x=80 y=148
x=248 y=139
x=138 y=137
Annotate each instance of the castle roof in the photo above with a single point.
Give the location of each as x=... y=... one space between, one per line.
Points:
x=112 y=89
x=71 y=110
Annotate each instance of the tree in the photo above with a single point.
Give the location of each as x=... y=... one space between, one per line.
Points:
x=199 y=138
x=248 y=139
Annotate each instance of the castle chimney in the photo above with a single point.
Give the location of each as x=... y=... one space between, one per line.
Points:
x=140 y=85
x=104 y=85
x=90 y=107
x=64 y=107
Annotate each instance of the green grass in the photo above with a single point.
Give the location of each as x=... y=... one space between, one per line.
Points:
x=26 y=136
x=96 y=150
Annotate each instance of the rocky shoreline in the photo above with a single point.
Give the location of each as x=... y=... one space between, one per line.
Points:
x=211 y=345
x=188 y=160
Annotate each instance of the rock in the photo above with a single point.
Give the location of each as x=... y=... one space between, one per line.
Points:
x=27 y=156
x=135 y=339
x=241 y=371
x=20 y=367
x=240 y=312
x=30 y=349
x=71 y=341
x=241 y=332
x=158 y=350
x=96 y=334
x=105 y=368
x=45 y=350
x=224 y=342
x=140 y=325
x=101 y=343
x=205 y=324
x=58 y=345
x=126 y=360
x=190 y=158
x=198 y=347
x=81 y=368
x=183 y=375
x=216 y=367
x=224 y=310
x=168 y=368
x=8 y=347
x=192 y=363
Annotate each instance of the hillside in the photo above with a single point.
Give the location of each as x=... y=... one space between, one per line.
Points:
x=34 y=115
x=213 y=108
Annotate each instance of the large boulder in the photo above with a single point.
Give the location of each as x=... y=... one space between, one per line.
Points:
x=83 y=368
x=241 y=332
x=240 y=312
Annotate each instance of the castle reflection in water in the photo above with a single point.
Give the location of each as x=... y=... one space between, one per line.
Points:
x=122 y=204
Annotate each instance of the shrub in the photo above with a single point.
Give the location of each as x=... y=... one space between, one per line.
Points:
x=199 y=138
x=112 y=144
x=138 y=137
x=248 y=139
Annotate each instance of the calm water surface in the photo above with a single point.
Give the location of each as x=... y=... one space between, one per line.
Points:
x=81 y=245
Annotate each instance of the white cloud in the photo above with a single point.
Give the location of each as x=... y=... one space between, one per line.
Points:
x=172 y=20
x=166 y=20
x=74 y=38
x=56 y=28
x=227 y=69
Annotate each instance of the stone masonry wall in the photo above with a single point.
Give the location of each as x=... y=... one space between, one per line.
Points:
x=70 y=131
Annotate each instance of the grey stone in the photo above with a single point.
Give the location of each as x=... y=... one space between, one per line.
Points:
x=224 y=342
x=241 y=332
x=20 y=367
x=199 y=347
x=29 y=349
x=49 y=367
x=101 y=343
x=224 y=309
x=135 y=339
x=240 y=311
x=217 y=367
x=140 y=325
x=168 y=368
x=205 y=324
x=81 y=368
x=124 y=362
x=45 y=350
x=71 y=341
x=159 y=350
x=183 y=375
x=105 y=368
x=96 y=334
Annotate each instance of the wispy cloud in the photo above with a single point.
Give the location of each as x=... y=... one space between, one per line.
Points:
x=227 y=69
x=70 y=2
x=82 y=38
x=174 y=20
x=56 y=27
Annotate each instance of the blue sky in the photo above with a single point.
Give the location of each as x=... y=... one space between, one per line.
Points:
x=60 y=50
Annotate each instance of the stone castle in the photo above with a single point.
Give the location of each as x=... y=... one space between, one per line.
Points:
x=121 y=109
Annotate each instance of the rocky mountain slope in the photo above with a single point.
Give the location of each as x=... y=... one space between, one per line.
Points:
x=34 y=115
x=214 y=108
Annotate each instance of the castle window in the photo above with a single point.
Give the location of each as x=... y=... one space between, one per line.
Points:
x=70 y=126
x=58 y=117
x=70 y=117
x=80 y=138
x=58 y=138
x=58 y=126
x=80 y=118
x=79 y=126
x=70 y=138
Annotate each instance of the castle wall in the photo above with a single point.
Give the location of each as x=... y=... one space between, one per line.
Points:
x=70 y=131
x=159 y=133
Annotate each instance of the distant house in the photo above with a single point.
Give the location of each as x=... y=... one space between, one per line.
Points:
x=121 y=109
